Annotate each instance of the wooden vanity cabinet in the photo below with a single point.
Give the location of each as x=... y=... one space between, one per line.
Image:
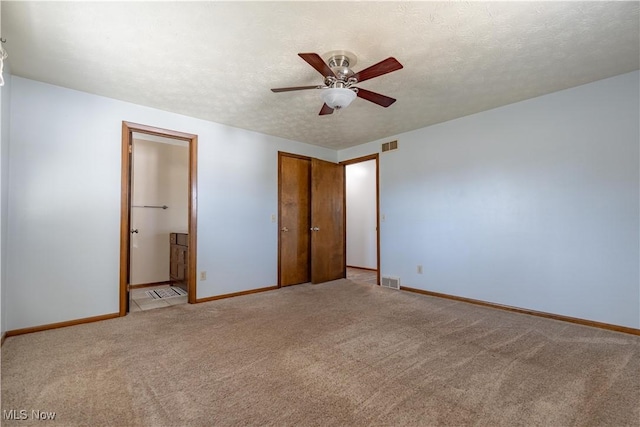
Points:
x=178 y=267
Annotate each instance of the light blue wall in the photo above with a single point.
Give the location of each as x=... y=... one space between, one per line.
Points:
x=64 y=202
x=534 y=205
x=5 y=116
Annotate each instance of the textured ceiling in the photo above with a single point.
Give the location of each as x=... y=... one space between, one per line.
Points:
x=218 y=60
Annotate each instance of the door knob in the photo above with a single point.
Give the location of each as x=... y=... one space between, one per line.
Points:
x=314 y=229
x=135 y=230
x=284 y=229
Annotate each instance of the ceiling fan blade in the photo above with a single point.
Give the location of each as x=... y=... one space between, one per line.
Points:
x=289 y=89
x=376 y=98
x=382 y=67
x=325 y=110
x=318 y=63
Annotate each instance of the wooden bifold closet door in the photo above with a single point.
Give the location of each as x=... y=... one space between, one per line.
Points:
x=311 y=220
x=294 y=220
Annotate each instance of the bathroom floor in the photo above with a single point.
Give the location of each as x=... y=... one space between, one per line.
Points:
x=140 y=301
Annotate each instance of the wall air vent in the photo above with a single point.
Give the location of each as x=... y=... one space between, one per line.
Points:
x=390 y=282
x=388 y=146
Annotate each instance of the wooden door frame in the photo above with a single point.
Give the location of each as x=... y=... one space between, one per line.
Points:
x=127 y=139
x=376 y=157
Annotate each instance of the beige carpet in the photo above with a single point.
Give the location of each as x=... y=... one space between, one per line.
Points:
x=337 y=354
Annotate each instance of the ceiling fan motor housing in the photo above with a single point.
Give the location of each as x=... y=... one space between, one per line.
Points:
x=339 y=64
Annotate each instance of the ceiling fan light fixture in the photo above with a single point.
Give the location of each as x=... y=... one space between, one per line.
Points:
x=338 y=97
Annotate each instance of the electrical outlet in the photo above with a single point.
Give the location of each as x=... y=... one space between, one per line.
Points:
x=383 y=217
x=203 y=275
x=419 y=269
x=273 y=217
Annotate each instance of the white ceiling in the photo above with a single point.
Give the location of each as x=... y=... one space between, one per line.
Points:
x=218 y=60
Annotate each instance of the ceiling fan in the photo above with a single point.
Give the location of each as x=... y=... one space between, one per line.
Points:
x=339 y=88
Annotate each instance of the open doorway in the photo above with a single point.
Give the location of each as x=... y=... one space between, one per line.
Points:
x=159 y=222
x=362 y=222
x=158 y=218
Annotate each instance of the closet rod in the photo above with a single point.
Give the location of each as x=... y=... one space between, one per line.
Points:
x=155 y=207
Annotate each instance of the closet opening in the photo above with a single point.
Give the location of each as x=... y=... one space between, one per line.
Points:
x=362 y=219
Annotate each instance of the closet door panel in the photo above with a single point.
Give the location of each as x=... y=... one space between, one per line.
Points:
x=327 y=221
x=294 y=220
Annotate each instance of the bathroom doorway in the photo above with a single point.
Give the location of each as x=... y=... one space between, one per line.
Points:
x=159 y=214
x=158 y=219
